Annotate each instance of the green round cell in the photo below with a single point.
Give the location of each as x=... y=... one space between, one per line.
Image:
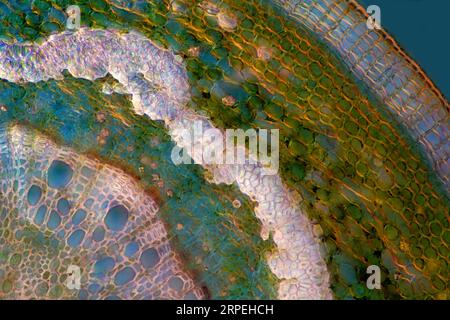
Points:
x=326 y=82
x=49 y=27
x=98 y=5
x=41 y=289
x=41 y=5
x=356 y=144
x=396 y=203
x=255 y=103
x=273 y=110
x=157 y=19
x=391 y=232
x=433 y=202
x=286 y=45
x=406 y=194
x=30 y=32
x=435 y=228
x=297 y=148
x=405 y=287
x=436 y=242
x=355 y=212
x=298 y=171
x=352 y=157
x=15 y=260
x=438 y=283
x=214 y=74
x=46 y=275
x=361 y=168
x=420 y=176
x=32 y=19
x=7 y=286
x=419 y=263
x=358 y=290
x=246 y=24
x=420 y=199
x=443 y=251
x=430 y=253
x=322 y=194
x=312 y=115
x=56 y=291
x=424 y=242
x=380 y=149
x=315 y=69
x=311 y=84
x=444 y=221
x=248 y=35
x=338 y=173
x=306 y=135
x=351 y=127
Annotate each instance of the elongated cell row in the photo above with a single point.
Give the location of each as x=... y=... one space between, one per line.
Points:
x=157 y=83
x=69 y=211
x=374 y=57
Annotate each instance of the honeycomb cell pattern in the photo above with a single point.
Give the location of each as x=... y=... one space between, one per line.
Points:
x=61 y=209
x=375 y=57
x=371 y=193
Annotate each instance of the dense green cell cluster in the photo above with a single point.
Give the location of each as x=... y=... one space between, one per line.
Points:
x=362 y=179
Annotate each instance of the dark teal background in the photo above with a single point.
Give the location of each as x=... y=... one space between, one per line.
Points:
x=422 y=28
